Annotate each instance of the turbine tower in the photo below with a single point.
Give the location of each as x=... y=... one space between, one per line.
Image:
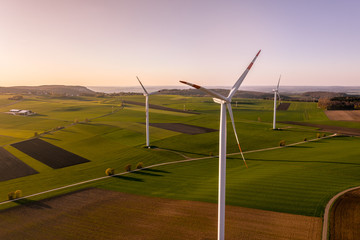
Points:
x=224 y=102
x=146 y=94
x=276 y=93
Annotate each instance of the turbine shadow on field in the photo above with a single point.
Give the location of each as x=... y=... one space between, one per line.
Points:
x=155 y=170
x=128 y=178
x=184 y=152
x=297 y=146
x=32 y=204
x=50 y=138
x=147 y=174
x=298 y=161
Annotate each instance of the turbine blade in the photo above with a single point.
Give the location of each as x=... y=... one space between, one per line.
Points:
x=277 y=88
x=233 y=124
x=278 y=96
x=241 y=78
x=142 y=86
x=211 y=92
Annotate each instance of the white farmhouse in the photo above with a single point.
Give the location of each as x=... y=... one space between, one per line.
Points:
x=21 y=112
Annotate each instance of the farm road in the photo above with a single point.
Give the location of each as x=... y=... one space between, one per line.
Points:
x=327 y=128
x=157 y=165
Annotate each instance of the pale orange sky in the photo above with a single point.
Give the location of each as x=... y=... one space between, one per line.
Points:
x=108 y=43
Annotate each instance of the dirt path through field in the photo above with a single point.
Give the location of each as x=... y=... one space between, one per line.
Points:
x=103 y=214
x=327 y=128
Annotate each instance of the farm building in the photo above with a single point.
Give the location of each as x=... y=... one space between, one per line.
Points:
x=21 y=112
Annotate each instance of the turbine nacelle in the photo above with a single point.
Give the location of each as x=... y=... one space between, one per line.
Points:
x=219 y=101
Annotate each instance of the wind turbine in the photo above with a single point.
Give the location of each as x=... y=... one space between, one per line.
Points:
x=224 y=102
x=276 y=93
x=146 y=94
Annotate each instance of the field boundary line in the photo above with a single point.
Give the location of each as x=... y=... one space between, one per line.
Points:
x=156 y=165
x=325 y=230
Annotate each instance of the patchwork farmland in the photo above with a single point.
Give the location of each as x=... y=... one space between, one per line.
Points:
x=293 y=182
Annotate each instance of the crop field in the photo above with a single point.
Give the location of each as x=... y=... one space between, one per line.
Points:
x=341 y=115
x=297 y=179
x=48 y=154
x=345 y=217
x=11 y=167
x=76 y=216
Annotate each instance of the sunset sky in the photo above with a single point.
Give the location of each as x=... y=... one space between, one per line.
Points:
x=110 y=42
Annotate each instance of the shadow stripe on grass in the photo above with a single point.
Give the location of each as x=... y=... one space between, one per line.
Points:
x=49 y=154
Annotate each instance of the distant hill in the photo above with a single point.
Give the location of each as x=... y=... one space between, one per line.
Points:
x=49 y=90
x=323 y=94
x=225 y=92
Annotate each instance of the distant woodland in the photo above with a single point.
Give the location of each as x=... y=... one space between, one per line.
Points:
x=340 y=103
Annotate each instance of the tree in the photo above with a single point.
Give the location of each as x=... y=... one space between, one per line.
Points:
x=110 y=171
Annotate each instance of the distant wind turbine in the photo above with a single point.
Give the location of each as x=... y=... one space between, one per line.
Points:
x=276 y=94
x=146 y=94
x=224 y=101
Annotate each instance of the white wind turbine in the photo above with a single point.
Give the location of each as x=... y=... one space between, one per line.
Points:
x=222 y=100
x=146 y=94
x=276 y=94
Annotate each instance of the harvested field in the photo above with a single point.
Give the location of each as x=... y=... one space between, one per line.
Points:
x=48 y=154
x=283 y=107
x=340 y=115
x=11 y=167
x=327 y=128
x=345 y=217
x=103 y=214
x=160 y=107
x=183 y=128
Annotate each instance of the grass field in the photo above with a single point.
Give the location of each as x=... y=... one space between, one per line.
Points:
x=297 y=179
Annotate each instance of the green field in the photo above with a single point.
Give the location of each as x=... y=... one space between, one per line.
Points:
x=298 y=179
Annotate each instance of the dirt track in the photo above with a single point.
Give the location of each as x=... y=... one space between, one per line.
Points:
x=102 y=214
x=327 y=128
x=153 y=106
x=183 y=128
x=345 y=217
x=340 y=115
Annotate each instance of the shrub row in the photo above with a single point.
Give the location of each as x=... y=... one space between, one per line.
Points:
x=14 y=195
x=111 y=171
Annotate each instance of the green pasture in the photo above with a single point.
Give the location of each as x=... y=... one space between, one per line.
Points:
x=299 y=179
x=292 y=179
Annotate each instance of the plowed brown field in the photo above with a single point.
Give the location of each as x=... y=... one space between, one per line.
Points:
x=340 y=115
x=102 y=214
x=11 y=167
x=48 y=154
x=345 y=217
x=283 y=106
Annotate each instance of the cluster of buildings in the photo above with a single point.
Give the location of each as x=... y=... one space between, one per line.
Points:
x=21 y=112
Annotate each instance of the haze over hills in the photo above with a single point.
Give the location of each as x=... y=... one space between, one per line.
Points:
x=266 y=89
x=303 y=93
